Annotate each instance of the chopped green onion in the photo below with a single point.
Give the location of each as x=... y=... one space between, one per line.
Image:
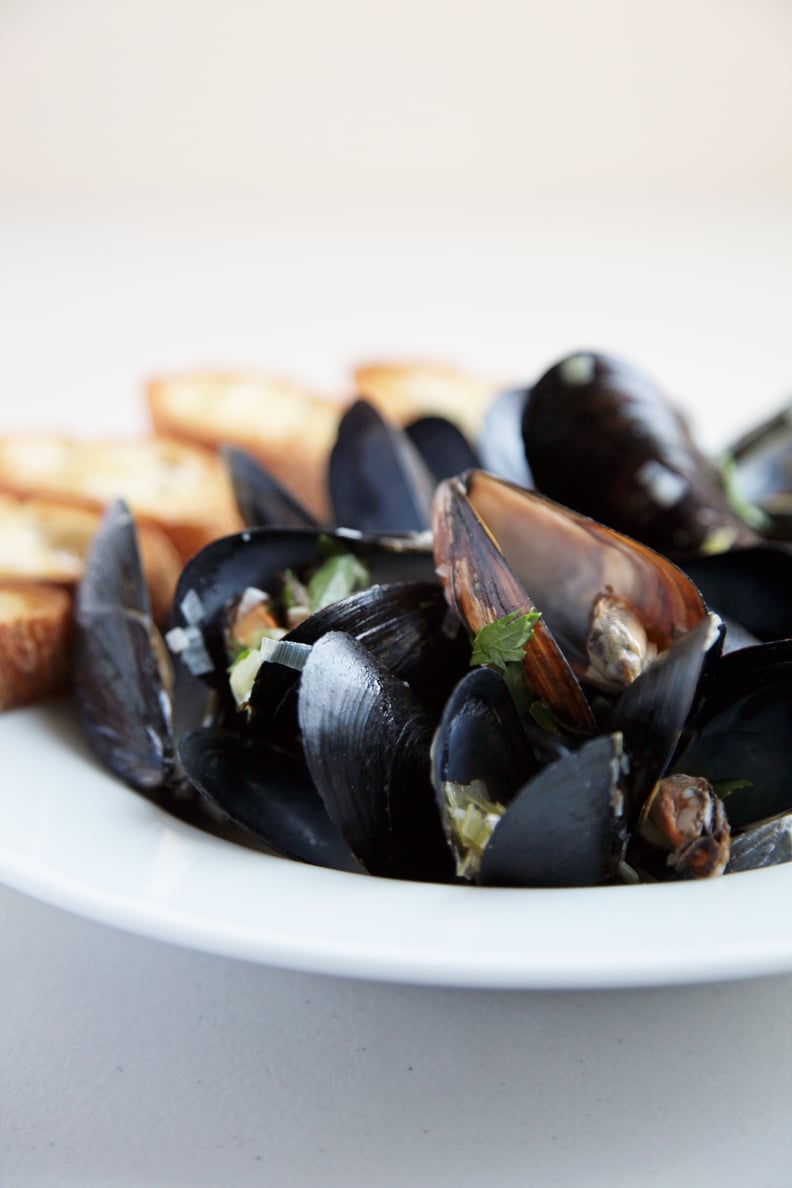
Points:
x=336 y=578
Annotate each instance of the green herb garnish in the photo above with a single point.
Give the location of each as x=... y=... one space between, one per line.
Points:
x=238 y=655
x=501 y=643
x=544 y=716
x=336 y=578
x=748 y=512
x=724 y=788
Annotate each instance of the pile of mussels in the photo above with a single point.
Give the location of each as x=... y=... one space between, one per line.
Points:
x=564 y=661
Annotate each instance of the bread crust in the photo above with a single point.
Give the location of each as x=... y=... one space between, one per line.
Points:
x=35 y=642
x=179 y=487
x=42 y=540
x=288 y=428
x=405 y=390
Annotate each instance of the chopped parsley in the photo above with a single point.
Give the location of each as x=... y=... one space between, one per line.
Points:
x=500 y=643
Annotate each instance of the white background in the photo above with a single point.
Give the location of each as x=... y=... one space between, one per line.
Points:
x=297 y=186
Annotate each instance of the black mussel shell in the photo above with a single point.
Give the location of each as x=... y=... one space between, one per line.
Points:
x=258 y=557
x=480 y=757
x=481 y=737
x=500 y=442
x=565 y=828
x=651 y=712
x=750 y=586
x=442 y=445
x=406 y=626
x=120 y=661
x=737 y=637
x=366 y=742
x=768 y=843
x=740 y=734
x=739 y=738
x=266 y=793
x=261 y=499
x=601 y=437
x=377 y=479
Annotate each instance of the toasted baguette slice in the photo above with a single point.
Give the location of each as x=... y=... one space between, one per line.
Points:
x=45 y=541
x=287 y=428
x=403 y=391
x=35 y=642
x=179 y=487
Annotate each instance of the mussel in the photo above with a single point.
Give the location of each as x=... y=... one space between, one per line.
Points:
x=366 y=741
x=602 y=438
x=265 y=792
x=258 y=559
x=533 y=698
x=123 y=676
x=377 y=479
x=739 y=735
x=263 y=500
x=514 y=813
x=577 y=573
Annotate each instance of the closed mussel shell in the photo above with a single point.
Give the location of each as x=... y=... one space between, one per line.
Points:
x=266 y=793
x=739 y=738
x=366 y=742
x=565 y=828
x=442 y=445
x=377 y=479
x=645 y=477
x=121 y=666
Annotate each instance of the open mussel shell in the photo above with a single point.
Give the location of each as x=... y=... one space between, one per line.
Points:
x=481 y=756
x=121 y=665
x=377 y=479
x=406 y=626
x=366 y=742
x=442 y=445
x=259 y=557
x=651 y=712
x=265 y=792
x=739 y=738
x=602 y=438
x=481 y=737
x=481 y=587
x=565 y=561
x=565 y=828
x=748 y=586
x=261 y=499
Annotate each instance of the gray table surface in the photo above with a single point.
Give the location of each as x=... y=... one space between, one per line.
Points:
x=127 y=1062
